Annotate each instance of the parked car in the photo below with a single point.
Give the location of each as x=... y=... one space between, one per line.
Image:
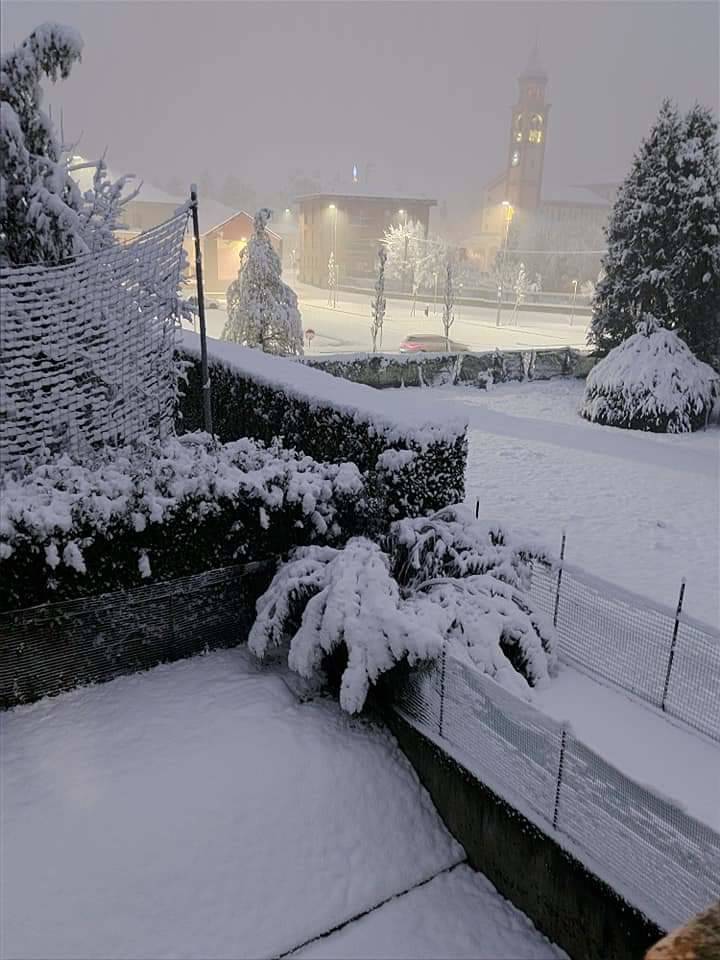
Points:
x=431 y=343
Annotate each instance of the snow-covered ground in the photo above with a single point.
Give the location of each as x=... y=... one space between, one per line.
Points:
x=346 y=328
x=199 y=810
x=641 y=510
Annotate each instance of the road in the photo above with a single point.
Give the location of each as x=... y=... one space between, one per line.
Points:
x=346 y=328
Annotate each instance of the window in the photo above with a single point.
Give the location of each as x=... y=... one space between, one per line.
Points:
x=516 y=158
x=536 y=132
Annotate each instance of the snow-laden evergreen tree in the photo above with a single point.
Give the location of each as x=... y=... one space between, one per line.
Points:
x=332 y=281
x=40 y=204
x=695 y=269
x=448 y=314
x=262 y=310
x=378 y=303
x=662 y=262
x=44 y=218
x=521 y=288
x=644 y=220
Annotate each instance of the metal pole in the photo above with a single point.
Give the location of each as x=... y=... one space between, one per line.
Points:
x=205 y=376
x=559 y=779
x=674 y=641
x=559 y=580
x=572 y=315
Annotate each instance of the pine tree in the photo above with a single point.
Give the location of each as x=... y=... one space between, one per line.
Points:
x=39 y=202
x=695 y=269
x=378 y=304
x=262 y=310
x=644 y=221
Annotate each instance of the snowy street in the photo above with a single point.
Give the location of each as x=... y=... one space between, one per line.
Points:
x=346 y=328
x=199 y=810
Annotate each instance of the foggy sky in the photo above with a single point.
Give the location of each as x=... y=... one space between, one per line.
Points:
x=421 y=90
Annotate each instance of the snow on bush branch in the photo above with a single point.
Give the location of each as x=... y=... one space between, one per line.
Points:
x=441 y=579
x=133 y=503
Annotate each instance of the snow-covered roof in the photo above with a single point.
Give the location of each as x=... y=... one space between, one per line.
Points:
x=83 y=177
x=366 y=193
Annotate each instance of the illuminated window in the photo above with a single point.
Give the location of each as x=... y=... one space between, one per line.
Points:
x=536 y=133
x=518 y=136
x=516 y=158
x=535 y=136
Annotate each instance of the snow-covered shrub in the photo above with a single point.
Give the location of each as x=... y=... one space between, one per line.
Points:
x=68 y=529
x=262 y=310
x=652 y=382
x=440 y=580
x=316 y=417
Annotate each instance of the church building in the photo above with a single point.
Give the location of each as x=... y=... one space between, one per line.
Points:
x=515 y=201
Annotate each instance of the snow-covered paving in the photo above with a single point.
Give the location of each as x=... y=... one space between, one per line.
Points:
x=641 y=510
x=199 y=810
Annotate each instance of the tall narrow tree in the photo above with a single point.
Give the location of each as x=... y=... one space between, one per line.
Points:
x=448 y=316
x=378 y=303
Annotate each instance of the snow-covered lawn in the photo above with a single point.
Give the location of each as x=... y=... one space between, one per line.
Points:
x=199 y=810
x=641 y=510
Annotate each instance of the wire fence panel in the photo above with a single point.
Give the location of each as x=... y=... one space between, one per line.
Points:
x=87 y=347
x=668 y=660
x=662 y=861
x=659 y=858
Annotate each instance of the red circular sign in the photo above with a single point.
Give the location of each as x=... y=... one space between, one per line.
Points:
x=309 y=334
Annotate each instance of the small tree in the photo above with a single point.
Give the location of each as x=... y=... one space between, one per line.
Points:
x=520 y=287
x=262 y=310
x=448 y=315
x=378 y=303
x=332 y=281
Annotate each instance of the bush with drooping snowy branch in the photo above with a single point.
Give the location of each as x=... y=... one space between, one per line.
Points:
x=262 y=310
x=69 y=529
x=652 y=381
x=439 y=580
x=44 y=218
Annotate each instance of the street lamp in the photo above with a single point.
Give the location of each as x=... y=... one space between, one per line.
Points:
x=572 y=315
x=509 y=211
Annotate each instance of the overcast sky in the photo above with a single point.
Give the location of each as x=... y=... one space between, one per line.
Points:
x=421 y=90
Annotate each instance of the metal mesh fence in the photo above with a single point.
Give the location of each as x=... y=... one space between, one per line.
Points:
x=658 y=858
x=667 y=659
x=87 y=347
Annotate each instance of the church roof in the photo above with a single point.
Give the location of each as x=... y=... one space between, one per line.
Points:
x=534 y=69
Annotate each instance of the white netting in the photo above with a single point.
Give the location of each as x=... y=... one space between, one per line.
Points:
x=87 y=348
x=660 y=859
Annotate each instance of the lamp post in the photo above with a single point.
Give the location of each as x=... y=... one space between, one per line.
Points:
x=509 y=210
x=574 y=297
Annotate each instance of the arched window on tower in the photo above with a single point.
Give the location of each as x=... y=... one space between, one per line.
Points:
x=515 y=158
x=536 y=128
x=517 y=128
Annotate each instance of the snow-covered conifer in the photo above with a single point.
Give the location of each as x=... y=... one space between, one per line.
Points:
x=448 y=315
x=695 y=268
x=262 y=310
x=39 y=203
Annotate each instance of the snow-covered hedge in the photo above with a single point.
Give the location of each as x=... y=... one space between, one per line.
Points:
x=67 y=529
x=652 y=381
x=445 y=579
x=413 y=455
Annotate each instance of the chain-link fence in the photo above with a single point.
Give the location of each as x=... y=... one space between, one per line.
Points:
x=662 y=861
x=662 y=656
x=87 y=347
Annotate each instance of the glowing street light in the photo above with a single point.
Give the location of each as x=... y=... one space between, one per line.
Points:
x=509 y=211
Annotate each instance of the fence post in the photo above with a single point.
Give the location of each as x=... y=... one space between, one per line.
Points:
x=205 y=376
x=674 y=641
x=559 y=778
x=559 y=580
x=442 y=690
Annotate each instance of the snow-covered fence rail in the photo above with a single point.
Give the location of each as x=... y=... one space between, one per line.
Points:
x=658 y=858
x=658 y=654
x=87 y=347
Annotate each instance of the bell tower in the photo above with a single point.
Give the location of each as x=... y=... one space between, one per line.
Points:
x=528 y=134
